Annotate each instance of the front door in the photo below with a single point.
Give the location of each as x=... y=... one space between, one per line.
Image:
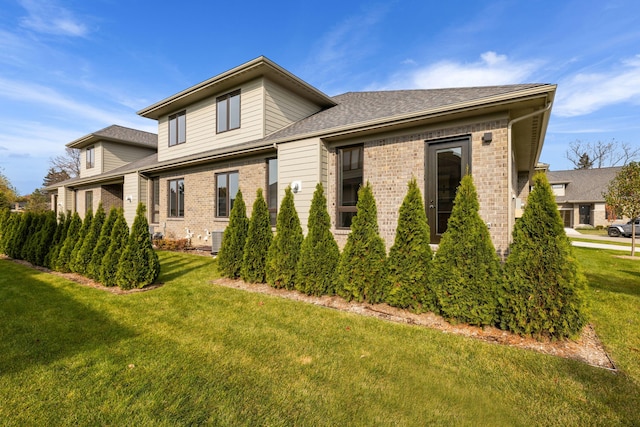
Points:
x=585 y=214
x=447 y=162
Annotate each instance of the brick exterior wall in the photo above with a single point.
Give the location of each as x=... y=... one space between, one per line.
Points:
x=111 y=196
x=390 y=162
x=199 y=197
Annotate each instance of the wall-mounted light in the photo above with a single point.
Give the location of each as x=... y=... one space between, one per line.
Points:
x=487 y=137
x=59 y=205
x=296 y=186
x=129 y=199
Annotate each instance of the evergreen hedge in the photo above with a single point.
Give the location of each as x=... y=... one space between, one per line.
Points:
x=44 y=238
x=64 y=255
x=544 y=290
x=85 y=253
x=259 y=238
x=284 y=251
x=319 y=253
x=138 y=265
x=51 y=257
x=4 y=219
x=466 y=268
x=117 y=243
x=234 y=238
x=362 y=270
x=18 y=235
x=74 y=266
x=104 y=239
x=410 y=256
x=35 y=222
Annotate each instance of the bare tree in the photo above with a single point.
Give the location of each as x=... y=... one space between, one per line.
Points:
x=587 y=155
x=69 y=162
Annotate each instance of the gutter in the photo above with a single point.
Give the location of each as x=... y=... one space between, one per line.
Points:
x=510 y=213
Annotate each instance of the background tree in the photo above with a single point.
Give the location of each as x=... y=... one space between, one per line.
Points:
x=284 y=251
x=55 y=175
x=362 y=271
x=69 y=162
x=600 y=154
x=319 y=253
x=104 y=239
x=544 y=290
x=410 y=256
x=38 y=201
x=8 y=192
x=259 y=238
x=138 y=265
x=117 y=243
x=623 y=195
x=233 y=240
x=83 y=257
x=466 y=268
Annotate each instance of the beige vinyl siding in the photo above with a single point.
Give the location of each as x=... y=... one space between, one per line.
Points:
x=97 y=166
x=117 y=155
x=300 y=161
x=131 y=188
x=283 y=107
x=201 y=124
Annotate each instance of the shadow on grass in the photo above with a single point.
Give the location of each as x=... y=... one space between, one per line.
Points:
x=175 y=265
x=629 y=285
x=40 y=323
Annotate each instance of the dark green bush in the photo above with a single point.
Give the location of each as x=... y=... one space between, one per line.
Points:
x=410 y=256
x=362 y=270
x=44 y=238
x=4 y=224
x=138 y=265
x=319 y=253
x=82 y=234
x=284 y=252
x=466 y=269
x=58 y=239
x=19 y=235
x=233 y=240
x=36 y=222
x=117 y=243
x=102 y=244
x=544 y=289
x=259 y=238
x=64 y=255
x=85 y=253
x=10 y=226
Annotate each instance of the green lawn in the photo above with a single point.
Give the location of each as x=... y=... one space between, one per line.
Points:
x=194 y=353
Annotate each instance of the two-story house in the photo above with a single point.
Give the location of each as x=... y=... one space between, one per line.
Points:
x=260 y=126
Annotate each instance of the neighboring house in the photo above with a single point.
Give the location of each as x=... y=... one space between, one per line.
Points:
x=259 y=126
x=579 y=195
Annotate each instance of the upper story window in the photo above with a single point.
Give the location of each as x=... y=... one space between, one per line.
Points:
x=228 y=111
x=91 y=157
x=350 y=173
x=226 y=190
x=176 y=198
x=178 y=128
x=272 y=189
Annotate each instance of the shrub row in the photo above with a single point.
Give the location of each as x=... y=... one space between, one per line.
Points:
x=99 y=247
x=539 y=290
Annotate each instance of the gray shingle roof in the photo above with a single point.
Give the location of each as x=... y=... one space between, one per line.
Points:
x=361 y=107
x=121 y=134
x=583 y=185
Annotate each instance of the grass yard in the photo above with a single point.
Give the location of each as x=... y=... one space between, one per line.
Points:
x=194 y=353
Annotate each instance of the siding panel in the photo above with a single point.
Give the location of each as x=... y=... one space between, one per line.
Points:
x=283 y=108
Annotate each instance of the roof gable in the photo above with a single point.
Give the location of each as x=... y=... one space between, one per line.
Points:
x=119 y=134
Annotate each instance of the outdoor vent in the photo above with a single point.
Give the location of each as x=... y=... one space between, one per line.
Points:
x=216 y=241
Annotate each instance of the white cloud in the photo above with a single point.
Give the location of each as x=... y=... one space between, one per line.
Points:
x=585 y=93
x=491 y=69
x=49 y=18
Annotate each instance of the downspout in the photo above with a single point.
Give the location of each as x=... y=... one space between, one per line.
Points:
x=510 y=213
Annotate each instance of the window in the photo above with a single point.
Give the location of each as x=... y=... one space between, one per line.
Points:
x=88 y=201
x=176 y=198
x=350 y=160
x=228 y=111
x=272 y=189
x=91 y=157
x=178 y=128
x=155 y=200
x=226 y=191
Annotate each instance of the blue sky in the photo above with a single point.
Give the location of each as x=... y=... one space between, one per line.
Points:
x=71 y=67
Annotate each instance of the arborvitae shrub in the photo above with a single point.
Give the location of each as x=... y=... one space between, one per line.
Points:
x=45 y=237
x=544 y=289
x=19 y=235
x=4 y=218
x=284 y=251
x=466 y=269
x=259 y=238
x=11 y=224
x=362 y=271
x=117 y=243
x=84 y=254
x=58 y=239
x=84 y=231
x=319 y=253
x=104 y=239
x=35 y=221
x=138 y=265
x=73 y=231
x=233 y=240
x=410 y=256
